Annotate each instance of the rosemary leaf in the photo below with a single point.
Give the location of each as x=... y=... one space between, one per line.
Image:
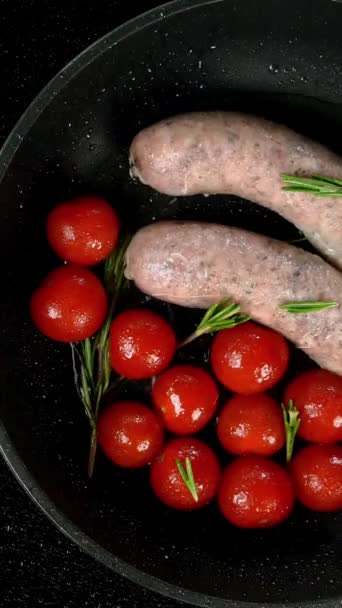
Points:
x=187 y=475
x=292 y=424
x=317 y=185
x=306 y=307
x=219 y=316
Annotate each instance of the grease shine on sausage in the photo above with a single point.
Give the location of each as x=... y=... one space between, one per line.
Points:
x=233 y=153
x=197 y=264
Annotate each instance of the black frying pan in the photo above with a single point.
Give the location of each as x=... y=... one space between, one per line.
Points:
x=282 y=60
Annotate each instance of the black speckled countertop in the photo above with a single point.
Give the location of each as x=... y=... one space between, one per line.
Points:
x=38 y=565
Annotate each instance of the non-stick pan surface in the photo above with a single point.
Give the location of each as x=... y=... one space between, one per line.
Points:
x=281 y=60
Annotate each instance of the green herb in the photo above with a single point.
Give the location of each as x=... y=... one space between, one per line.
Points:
x=317 y=185
x=296 y=308
x=90 y=358
x=219 y=316
x=298 y=239
x=188 y=477
x=292 y=424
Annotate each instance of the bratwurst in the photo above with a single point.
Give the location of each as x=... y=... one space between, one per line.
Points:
x=197 y=264
x=233 y=153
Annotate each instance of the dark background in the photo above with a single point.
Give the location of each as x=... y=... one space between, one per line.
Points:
x=38 y=566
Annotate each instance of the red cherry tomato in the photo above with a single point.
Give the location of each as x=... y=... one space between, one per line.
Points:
x=251 y=425
x=69 y=305
x=130 y=434
x=83 y=230
x=248 y=358
x=142 y=344
x=186 y=396
x=317 y=475
x=167 y=482
x=317 y=394
x=255 y=492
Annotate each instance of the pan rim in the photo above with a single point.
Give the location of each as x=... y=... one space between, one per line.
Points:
x=7 y=449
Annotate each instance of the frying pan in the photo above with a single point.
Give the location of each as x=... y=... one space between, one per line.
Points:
x=280 y=60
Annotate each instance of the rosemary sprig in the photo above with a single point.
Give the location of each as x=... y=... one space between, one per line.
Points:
x=292 y=424
x=296 y=308
x=91 y=365
x=219 y=316
x=187 y=475
x=317 y=185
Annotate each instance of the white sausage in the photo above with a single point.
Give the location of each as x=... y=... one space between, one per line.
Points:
x=232 y=153
x=197 y=264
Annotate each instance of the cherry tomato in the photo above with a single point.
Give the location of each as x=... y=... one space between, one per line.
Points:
x=317 y=475
x=142 y=344
x=130 y=434
x=317 y=394
x=248 y=358
x=251 y=425
x=255 y=492
x=166 y=479
x=69 y=305
x=83 y=230
x=186 y=396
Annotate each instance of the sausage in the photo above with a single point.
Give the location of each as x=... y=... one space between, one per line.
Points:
x=197 y=264
x=233 y=153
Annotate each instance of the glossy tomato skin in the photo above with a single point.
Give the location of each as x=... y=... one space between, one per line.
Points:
x=317 y=394
x=186 y=397
x=255 y=492
x=69 y=305
x=130 y=434
x=251 y=425
x=142 y=344
x=317 y=475
x=249 y=359
x=83 y=230
x=167 y=482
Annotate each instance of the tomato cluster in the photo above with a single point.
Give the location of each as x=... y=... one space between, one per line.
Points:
x=253 y=491
x=70 y=304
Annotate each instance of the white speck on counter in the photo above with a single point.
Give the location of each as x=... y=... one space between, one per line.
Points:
x=273 y=68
